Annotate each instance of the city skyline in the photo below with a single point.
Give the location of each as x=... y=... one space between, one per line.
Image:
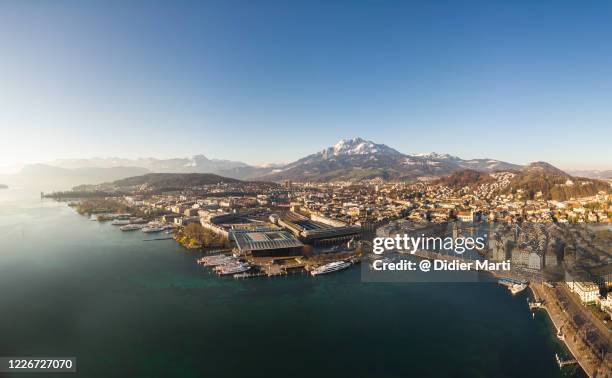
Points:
x=274 y=82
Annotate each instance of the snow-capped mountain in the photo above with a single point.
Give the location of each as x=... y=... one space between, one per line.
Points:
x=435 y=155
x=487 y=165
x=354 y=147
x=358 y=146
x=357 y=158
x=483 y=165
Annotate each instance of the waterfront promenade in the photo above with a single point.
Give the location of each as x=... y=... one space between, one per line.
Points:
x=574 y=339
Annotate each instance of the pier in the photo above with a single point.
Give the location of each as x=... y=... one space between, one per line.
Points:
x=563 y=363
x=249 y=275
x=540 y=294
x=509 y=281
x=535 y=305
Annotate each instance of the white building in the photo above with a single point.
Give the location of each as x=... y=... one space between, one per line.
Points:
x=606 y=304
x=586 y=291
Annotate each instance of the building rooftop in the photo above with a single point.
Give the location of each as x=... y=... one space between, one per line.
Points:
x=265 y=240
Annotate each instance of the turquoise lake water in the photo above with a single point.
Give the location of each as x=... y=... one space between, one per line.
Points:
x=128 y=308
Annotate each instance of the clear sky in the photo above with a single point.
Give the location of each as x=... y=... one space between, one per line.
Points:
x=272 y=81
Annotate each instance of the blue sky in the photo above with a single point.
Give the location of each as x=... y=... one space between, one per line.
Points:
x=272 y=81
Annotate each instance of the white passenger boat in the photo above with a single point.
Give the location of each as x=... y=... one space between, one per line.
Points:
x=149 y=229
x=131 y=227
x=331 y=267
x=233 y=268
x=517 y=288
x=120 y=222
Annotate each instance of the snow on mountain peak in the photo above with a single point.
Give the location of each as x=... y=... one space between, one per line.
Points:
x=358 y=146
x=434 y=155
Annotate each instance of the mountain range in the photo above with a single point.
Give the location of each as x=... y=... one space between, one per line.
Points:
x=357 y=158
x=349 y=159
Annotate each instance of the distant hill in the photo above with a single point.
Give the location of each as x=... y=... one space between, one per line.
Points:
x=554 y=183
x=159 y=182
x=543 y=168
x=463 y=178
x=247 y=172
x=607 y=174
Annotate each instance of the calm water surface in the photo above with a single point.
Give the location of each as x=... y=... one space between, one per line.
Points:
x=128 y=308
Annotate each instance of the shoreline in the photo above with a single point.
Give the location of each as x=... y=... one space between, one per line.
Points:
x=591 y=371
x=570 y=345
x=580 y=357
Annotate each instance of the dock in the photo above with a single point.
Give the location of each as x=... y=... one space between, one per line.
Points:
x=509 y=281
x=249 y=275
x=539 y=294
x=566 y=362
x=535 y=305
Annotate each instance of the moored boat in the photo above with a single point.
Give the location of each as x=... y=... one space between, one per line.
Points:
x=150 y=229
x=131 y=227
x=331 y=267
x=517 y=288
x=232 y=268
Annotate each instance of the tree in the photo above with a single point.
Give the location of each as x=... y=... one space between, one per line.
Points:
x=194 y=231
x=203 y=236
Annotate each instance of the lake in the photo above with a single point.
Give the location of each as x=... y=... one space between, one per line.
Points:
x=124 y=307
